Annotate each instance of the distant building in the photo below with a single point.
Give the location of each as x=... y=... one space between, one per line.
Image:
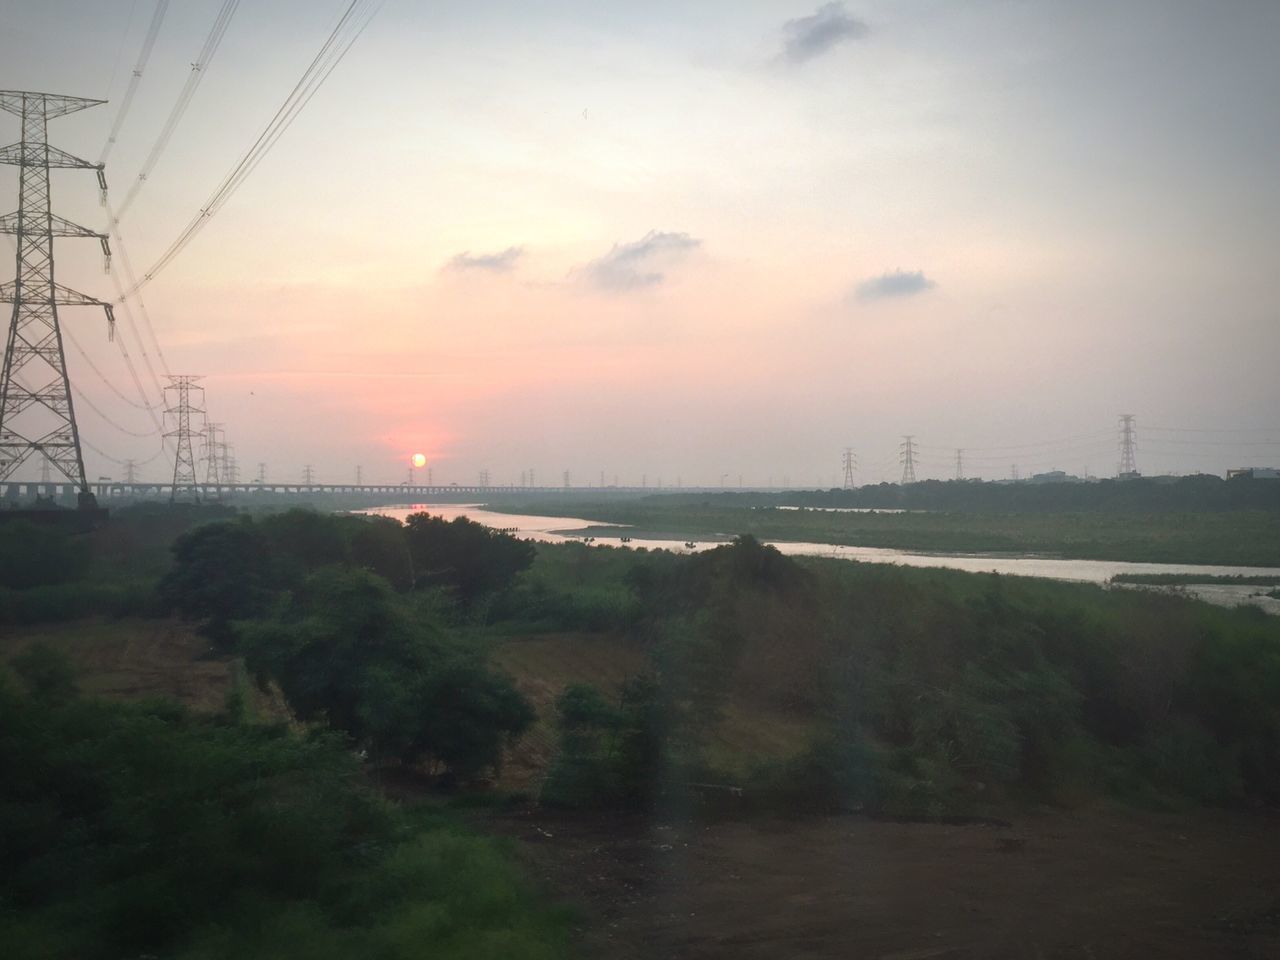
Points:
x=1255 y=473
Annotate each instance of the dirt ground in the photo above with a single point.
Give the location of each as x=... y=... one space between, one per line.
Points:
x=1054 y=885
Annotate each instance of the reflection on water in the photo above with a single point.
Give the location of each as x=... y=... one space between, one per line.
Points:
x=561 y=529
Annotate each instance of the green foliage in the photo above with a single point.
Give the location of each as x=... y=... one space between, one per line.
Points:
x=465 y=555
x=1132 y=527
x=379 y=545
x=344 y=649
x=222 y=572
x=47 y=674
x=128 y=831
x=74 y=601
x=612 y=754
x=37 y=555
x=937 y=692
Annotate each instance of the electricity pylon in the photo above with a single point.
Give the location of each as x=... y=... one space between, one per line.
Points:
x=850 y=464
x=211 y=454
x=1128 y=446
x=184 y=461
x=40 y=418
x=959 y=464
x=907 y=456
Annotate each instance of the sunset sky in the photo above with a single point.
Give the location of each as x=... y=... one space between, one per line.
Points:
x=691 y=239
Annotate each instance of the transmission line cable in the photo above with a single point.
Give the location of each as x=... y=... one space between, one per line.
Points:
x=352 y=23
x=67 y=334
x=127 y=265
x=198 y=69
x=124 y=39
x=148 y=43
x=98 y=410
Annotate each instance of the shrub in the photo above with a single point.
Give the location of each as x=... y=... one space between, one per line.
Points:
x=136 y=830
x=345 y=650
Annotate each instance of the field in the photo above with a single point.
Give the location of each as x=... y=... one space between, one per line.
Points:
x=1098 y=881
x=731 y=753
x=1096 y=884
x=1237 y=538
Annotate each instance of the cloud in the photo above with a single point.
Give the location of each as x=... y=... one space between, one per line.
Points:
x=631 y=266
x=899 y=283
x=504 y=261
x=826 y=28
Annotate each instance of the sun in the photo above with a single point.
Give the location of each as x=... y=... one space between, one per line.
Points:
x=419 y=460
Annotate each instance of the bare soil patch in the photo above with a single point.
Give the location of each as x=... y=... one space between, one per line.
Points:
x=1101 y=884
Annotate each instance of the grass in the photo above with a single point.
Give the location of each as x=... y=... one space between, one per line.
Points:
x=1198 y=579
x=1244 y=538
x=134 y=659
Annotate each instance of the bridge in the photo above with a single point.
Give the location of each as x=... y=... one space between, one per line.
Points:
x=105 y=490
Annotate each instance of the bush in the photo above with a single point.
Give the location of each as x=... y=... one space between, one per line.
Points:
x=345 y=650
x=135 y=830
x=222 y=572
x=465 y=555
x=35 y=555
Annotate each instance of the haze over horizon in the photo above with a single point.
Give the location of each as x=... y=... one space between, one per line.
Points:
x=692 y=241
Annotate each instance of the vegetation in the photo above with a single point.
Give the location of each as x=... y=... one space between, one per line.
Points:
x=144 y=829
x=929 y=692
x=134 y=830
x=344 y=649
x=1187 y=579
x=1239 y=537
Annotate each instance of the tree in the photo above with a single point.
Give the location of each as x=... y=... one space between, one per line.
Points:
x=465 y=555
x=221 y=573
x=346 y=650
x=379 y=545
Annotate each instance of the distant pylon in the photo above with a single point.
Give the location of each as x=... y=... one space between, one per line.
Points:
x=566 y=479
x=308 y=475
x=45 y=475
x=36 y=413
x=230 y=466
x=484 y=478
x=211 y=453
x=1128 y=446
x=907 y=456
x=959 y=464
x=850 y=464
x=262 y=472
x=184 y=461
x=130 y=472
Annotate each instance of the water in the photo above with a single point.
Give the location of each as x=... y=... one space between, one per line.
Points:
x=562 y=529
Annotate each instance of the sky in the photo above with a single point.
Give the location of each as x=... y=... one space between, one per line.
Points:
x=686 y=242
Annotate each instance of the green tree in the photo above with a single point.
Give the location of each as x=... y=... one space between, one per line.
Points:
x=221 y=573
x=379 y=545
x=346 y=650
x=465 y=555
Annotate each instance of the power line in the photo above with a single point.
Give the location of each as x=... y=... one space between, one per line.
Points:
x=148 y=43
x=357 y=16
x=67 y=335
x=96 y=409
x=198 y=68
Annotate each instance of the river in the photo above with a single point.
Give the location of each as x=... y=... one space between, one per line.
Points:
x=562 y=529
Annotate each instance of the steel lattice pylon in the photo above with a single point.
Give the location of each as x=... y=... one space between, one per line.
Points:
x=184 y=461
x=36 y=414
